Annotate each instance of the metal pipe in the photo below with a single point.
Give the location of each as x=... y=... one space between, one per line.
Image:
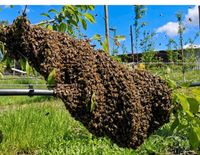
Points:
x=194 y=84
x=26 y=92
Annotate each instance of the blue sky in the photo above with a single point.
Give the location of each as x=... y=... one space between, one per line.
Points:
x=160 y=19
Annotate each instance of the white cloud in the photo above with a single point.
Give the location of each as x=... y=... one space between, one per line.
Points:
x=171 y=29
x=191 y=46
x=192 y=17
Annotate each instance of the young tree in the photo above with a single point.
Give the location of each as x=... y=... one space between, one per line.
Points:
x=139 y=11
x=147 y=46
x=180 y=32
x=172 y=51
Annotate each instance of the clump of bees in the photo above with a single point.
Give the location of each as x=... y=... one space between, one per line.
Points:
x=110 y=100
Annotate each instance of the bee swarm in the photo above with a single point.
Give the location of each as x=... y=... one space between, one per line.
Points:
x=110 y=100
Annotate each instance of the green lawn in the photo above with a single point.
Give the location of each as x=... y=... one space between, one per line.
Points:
x=176 y=74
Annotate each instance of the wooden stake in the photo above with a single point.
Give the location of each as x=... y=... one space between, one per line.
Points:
x=132 y=45
x=199 y=16
x=106 y=26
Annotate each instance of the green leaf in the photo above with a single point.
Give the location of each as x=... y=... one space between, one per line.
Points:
x=196 y=92
x=28 y=68
x=196 y=129
x=194 y=105
x=89 y=17
x=93 y=102
x=184 y=103
x=84 y=24
x=105 y=46
x=49 y=27
x=46 y=15
x=5 y=57
x=171 y=83
x=97 y=37
x=73 y=22
x=91 y=7
x=51 y=77
x=193 y=139
x=55 y=27
x=1 y=75
x=53 y=10
x=23 y=64
x=120 y=37
x=174 y=124
x=2 y=49
x=62 y=27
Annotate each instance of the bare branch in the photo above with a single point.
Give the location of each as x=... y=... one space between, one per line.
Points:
x=24 y=12
x=45 y=22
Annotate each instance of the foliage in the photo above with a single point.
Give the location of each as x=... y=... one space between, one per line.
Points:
x=147 y=42
x=171 y=53
x=148 y=57
x=51 y=77
x=187 y=117
x=69 y=19
x=186 y=113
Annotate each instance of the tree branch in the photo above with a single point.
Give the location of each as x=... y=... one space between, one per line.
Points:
x=24 y=12
x=45 y=22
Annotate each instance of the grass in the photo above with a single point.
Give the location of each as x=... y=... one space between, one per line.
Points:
x=47 y=128
x=14 y=81
x=175 y=73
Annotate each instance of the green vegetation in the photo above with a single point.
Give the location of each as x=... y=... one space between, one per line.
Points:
x=174 y=72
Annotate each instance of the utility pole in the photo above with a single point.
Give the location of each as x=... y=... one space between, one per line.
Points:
x=132 y=45
x=199 y=16
x=106 y=26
